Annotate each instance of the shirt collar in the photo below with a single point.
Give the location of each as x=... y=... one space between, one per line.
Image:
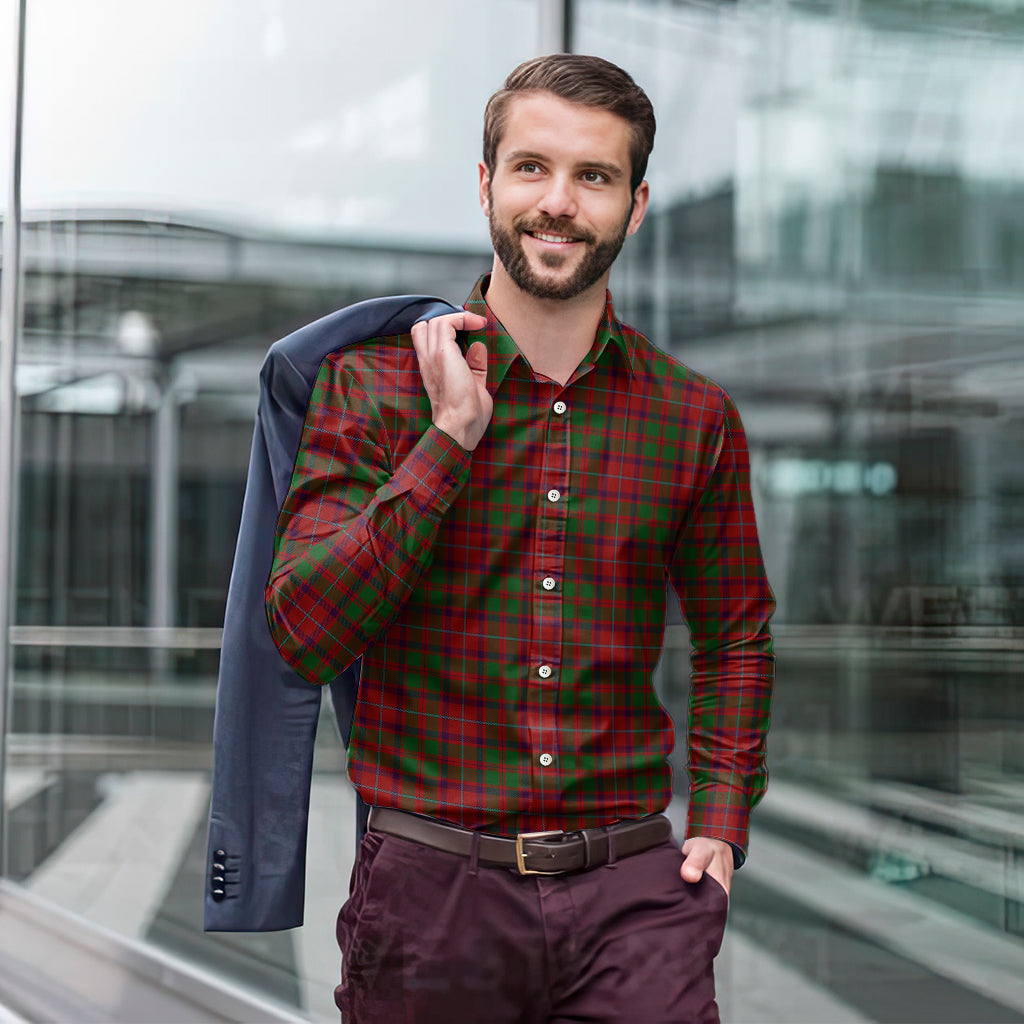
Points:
x=502 y=351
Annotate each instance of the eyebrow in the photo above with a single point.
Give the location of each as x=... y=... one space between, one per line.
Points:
x=613 y=171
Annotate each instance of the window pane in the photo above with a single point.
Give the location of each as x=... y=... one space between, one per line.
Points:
x=836 y=236
x=201 y=177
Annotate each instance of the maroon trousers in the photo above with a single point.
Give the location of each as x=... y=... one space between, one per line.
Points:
x=430 y=937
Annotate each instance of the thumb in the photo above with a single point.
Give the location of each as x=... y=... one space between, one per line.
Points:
x=694 y=864
x=477 y=358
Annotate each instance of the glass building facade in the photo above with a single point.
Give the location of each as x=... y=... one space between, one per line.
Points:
x=836 y=235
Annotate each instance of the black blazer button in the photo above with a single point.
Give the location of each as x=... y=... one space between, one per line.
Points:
x=219 y=854
x=218 y=895
x=219 y=868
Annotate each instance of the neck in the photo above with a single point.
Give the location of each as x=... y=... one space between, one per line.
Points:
x=553 y=334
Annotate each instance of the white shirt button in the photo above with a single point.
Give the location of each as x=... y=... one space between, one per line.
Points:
x=545 y=759
x=560 y=407
x=544 y=671
x=553 y=495
x=548 y=583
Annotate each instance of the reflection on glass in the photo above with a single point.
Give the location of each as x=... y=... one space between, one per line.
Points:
x=836 y=237
x=8 y=25
x=191 y=198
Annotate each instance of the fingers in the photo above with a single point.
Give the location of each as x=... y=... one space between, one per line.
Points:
x=471 y=321
x=456 y=386
x=448 y=324
x=431 y=337
x=434 y=340
x=696 y=863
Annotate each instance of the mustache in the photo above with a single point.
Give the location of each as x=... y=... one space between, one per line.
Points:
x=546 y=226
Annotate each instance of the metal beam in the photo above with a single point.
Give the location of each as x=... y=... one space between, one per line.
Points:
x=10 y=310
x=553 y=24
x=163 y=518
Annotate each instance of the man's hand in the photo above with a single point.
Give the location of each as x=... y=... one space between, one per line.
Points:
x=711 y=855
x=457 y=386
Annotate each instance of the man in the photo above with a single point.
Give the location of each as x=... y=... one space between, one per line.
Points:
x=487 y=513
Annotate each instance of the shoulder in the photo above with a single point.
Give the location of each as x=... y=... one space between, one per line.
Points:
x=659 y=375
x=302 y=352
x=368 y=319
x=374 y=362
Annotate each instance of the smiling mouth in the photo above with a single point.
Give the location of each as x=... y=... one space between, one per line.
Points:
x=546 y=237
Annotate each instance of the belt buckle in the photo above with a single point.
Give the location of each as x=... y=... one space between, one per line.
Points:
x=520 y=856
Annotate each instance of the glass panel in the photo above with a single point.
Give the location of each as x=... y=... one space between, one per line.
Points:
x=836 y=236
x=8 y=55
x=8 y=26
x=201 y=178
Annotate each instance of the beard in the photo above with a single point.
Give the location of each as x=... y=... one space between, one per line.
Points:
x=598 y=257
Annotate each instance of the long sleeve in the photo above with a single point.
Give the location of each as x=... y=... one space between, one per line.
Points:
x=355 y=532
x=718 y=573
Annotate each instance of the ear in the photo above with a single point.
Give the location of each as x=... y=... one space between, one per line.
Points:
x=640 y=199
x=485 y=181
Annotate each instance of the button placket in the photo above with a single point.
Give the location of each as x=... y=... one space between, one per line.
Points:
x=552 y=472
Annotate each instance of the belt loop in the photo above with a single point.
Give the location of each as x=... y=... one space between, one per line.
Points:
x=474 y=853
x=585 y=833
x=611 y=848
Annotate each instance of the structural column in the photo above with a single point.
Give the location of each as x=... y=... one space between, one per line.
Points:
x=554 y=29
x=163 y=547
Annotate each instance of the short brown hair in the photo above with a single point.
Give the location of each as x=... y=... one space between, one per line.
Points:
x=577 y=78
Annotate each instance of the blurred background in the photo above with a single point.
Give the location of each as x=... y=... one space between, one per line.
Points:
x=836 y=235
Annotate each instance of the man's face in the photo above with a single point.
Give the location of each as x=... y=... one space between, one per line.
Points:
x=559 y=203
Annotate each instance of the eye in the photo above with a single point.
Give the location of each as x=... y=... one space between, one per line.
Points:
x=594 y=177
x=529 y=167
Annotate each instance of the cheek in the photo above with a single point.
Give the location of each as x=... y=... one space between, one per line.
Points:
x=515 y=197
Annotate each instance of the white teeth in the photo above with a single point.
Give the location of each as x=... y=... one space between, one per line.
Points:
x=551 y=238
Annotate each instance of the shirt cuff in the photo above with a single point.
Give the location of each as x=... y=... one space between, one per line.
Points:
x=721 y=812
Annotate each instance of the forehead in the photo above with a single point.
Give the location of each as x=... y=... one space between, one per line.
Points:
x=542 y=123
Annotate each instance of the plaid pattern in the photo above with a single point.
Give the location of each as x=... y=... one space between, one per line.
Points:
x=509 y=604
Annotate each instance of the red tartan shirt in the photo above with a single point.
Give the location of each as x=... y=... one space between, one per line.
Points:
x=509 y=603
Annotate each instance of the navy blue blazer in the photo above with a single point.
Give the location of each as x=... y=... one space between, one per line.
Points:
x=266 y=714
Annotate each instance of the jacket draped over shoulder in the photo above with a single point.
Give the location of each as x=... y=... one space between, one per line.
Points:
x=266 y=714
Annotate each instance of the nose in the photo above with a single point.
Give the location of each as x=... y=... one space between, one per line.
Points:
x=559 y=198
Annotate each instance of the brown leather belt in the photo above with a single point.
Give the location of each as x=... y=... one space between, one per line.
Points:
x=529 y=853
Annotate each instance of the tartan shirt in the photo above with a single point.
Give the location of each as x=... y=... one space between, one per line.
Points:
x=509 y=603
